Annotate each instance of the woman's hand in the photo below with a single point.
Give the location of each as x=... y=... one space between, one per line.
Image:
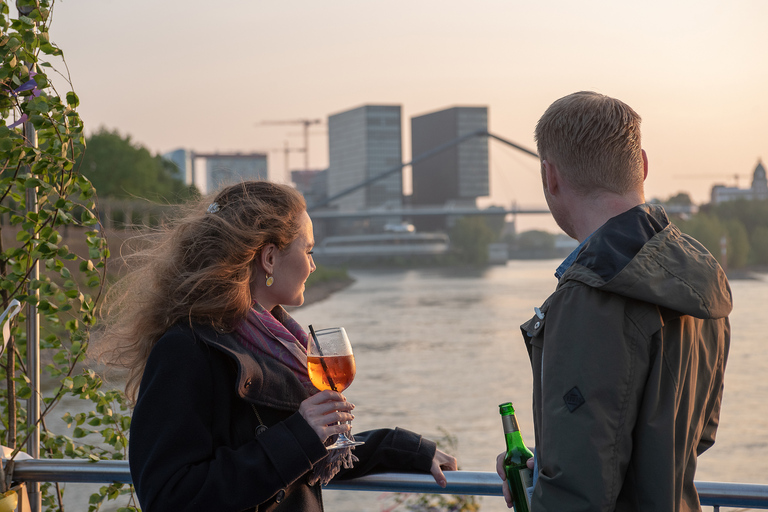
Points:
x=327 y=413
x=442 y=461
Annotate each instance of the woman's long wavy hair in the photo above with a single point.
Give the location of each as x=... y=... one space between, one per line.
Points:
x=196 y=268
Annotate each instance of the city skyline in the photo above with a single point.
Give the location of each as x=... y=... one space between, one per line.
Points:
x=186 y=75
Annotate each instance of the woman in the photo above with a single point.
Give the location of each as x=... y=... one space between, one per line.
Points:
x=225 y=416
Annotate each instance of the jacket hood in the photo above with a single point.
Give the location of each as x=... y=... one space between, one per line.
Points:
x=641 y=255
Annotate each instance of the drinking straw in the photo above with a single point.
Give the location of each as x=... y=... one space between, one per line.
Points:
x=322 y=360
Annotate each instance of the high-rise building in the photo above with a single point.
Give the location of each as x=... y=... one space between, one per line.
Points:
x=312 y=184
x=222 y=169
x=362 y=143
x=459 y=174
x=183 y=159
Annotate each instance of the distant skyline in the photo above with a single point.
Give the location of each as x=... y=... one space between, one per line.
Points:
x=204 y=75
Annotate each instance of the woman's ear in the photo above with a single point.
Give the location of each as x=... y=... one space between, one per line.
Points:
x=267 y=258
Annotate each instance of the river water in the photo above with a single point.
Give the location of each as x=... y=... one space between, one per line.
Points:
x=438 y=350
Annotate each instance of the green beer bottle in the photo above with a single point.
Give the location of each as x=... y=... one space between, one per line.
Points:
x=519 y=477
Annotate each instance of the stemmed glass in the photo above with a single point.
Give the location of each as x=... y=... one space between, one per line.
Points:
x=331 y=365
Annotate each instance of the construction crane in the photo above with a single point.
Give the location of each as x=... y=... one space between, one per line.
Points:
x=710 y=176
x=286 y=151
x=306 y=123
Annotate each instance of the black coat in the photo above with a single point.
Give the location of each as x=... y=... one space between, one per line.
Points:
x=193 y=442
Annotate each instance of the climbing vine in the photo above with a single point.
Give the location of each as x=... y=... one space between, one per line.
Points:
x=52 y=257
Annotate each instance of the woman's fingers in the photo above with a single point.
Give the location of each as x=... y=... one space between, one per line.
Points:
x=327 y=413
x=442 y=461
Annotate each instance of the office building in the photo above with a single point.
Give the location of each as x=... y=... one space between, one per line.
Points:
x=222 y=169
x=758 y=190
x=183 y=159
x=459 y=174
x=313 y=185
x=362 y=143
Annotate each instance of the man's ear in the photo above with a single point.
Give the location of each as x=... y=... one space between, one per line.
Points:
x=267 y=258
x=551 y=177
x=645 y=164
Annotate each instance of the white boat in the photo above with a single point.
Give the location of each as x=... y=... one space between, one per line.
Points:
x=383 y=245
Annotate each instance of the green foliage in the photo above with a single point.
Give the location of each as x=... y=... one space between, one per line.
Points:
x=681 y=199
x=759 y=243
x=470 y=237
x=535 y=240
x=743 y=224
x=119 y=168
x=705 y=228
x=43 y=200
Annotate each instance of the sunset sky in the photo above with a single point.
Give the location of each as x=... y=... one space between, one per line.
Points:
x=203 y=75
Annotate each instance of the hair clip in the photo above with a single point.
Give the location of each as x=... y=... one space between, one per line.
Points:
x=213 y=207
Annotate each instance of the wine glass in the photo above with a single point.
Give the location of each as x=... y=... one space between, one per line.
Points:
x=331 y=365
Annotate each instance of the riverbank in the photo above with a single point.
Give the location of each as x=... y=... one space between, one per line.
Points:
x=754 y=272
x=321 y=290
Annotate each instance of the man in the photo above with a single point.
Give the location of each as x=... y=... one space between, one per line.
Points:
x=628 y=354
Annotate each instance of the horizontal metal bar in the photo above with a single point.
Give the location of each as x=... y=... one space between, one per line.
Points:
x=476 y=483
x=726 y=494
x=71 y=470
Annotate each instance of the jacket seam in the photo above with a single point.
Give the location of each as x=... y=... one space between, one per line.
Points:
x=623 y=414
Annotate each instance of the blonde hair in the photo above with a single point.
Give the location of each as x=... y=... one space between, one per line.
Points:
x=595 y=142
x=197 y=268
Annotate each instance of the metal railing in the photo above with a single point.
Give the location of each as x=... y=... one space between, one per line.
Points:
x=476 y=483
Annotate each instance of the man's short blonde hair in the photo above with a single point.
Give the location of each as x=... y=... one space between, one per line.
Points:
x=594 y=141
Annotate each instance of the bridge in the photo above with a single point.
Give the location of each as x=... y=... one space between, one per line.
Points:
x=317 y=212
x=426 y=210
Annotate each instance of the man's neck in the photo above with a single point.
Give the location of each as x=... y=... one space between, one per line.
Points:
x=591 y=212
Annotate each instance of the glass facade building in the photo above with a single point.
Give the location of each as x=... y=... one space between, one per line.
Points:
x=457 y=175
x=222 y=169
x=363 y=143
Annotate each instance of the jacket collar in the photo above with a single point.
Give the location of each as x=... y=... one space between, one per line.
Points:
x=260 y=380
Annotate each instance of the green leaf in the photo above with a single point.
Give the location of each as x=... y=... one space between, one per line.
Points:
x=72 y=99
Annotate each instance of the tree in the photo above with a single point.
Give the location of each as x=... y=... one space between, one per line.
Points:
x=119 y=168
x=681 y=198
x=41 y=195
x=710 y=230
x=470 y=237
x=536 y=240
x=759 y=246
x=750 y=213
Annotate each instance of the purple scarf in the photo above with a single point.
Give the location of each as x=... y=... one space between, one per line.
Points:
x=278 y=336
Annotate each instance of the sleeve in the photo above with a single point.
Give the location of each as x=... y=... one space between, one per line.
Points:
x=390 y=450
x=713 y=416
x=180 y=461
x=590 y=388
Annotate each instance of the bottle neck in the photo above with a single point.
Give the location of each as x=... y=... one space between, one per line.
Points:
x=512 y=430
x=509 y=422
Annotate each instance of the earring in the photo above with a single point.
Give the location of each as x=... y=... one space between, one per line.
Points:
x=270 y=280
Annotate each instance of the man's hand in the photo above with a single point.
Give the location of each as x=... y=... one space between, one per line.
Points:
x=503 y=475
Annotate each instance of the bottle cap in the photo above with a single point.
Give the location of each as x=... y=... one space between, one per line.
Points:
x=506 y=408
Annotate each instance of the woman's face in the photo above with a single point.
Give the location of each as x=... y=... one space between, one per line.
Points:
x=291 y=268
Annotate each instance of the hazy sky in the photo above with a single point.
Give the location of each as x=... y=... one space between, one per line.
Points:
x=203 y=74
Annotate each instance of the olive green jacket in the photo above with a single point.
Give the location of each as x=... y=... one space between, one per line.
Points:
x=628 y=357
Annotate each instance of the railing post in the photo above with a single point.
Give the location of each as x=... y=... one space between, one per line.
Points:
x=33 y=327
